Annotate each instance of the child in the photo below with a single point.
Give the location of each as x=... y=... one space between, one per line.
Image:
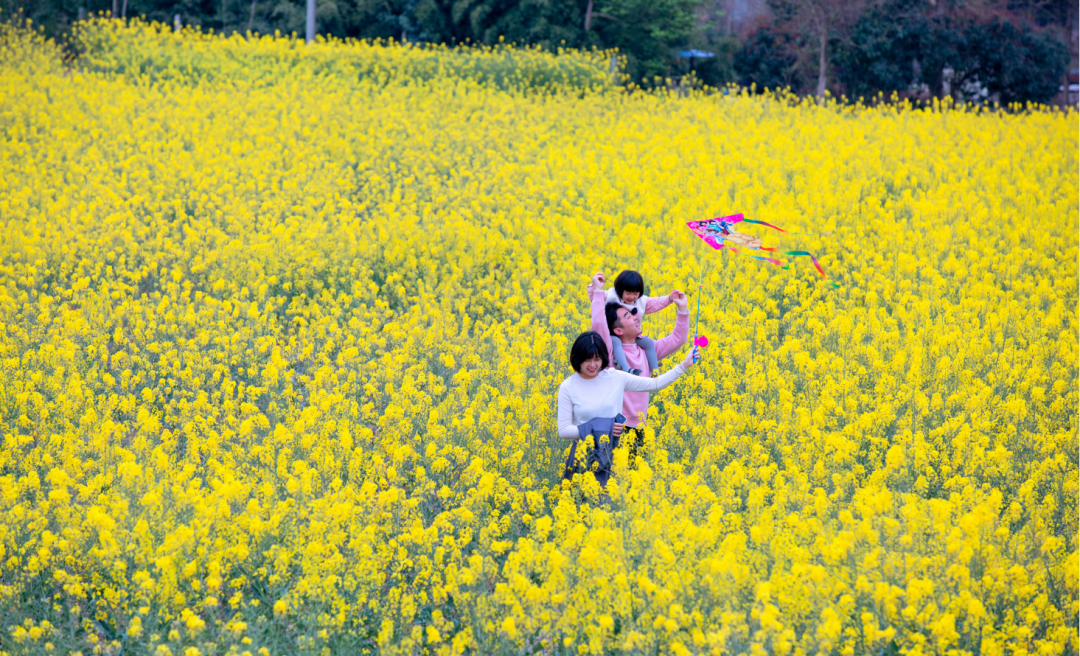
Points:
x=629 y=292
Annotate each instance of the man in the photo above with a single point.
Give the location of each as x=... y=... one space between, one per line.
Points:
x=614 y=321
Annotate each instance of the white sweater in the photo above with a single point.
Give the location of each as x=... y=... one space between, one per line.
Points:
x=582 y=399
x=611 y=297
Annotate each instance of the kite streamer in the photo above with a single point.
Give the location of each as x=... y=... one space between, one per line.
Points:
x=812 y=259
x=764 y=224
x=816 y=264
x=804 y=234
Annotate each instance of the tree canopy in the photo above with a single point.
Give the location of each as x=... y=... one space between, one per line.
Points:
x=996 y=50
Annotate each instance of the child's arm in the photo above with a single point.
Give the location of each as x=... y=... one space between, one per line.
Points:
x=657 y=303
x=597 y=303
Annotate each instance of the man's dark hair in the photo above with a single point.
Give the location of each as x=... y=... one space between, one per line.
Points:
x=586 y=347
x=611 y=311
x=629 y=281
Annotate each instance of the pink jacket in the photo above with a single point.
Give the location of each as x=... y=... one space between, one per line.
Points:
x=636 y=404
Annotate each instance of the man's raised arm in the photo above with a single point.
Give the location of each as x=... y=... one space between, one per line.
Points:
x=672 y=343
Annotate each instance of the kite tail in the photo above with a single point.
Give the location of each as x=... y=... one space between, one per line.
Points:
x=811 y=234
x=764 y=224
x=770 y=260
x=812 y=259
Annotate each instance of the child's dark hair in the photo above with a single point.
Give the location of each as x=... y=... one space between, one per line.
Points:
x=629 y=281
x=586 y=347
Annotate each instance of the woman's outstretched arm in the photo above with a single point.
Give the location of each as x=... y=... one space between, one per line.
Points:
x=633 y=383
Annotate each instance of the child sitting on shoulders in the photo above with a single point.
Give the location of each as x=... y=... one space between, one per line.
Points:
x=629 y=292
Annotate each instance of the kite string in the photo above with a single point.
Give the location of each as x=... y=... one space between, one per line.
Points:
x=697 y=320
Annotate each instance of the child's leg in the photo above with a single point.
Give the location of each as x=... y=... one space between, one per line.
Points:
x=618 y=354
x=646 y=344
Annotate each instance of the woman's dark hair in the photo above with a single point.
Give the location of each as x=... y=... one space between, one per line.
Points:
x=586 y=347
x=629 y=281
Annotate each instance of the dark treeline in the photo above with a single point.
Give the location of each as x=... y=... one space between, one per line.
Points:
x=977 y=50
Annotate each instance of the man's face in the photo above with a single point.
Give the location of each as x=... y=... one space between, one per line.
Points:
x=629 y=324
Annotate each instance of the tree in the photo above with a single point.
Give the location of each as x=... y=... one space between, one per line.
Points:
x=646 y=31
x=718 y=70
x=960 y=51
x=819 y=22
x=1012 y=61
x=54 y=16
x=768 y=60
x=548 y=23
x=882 y=52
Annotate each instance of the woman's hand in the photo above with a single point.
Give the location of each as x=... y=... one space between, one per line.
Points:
x=598 y=280
x=691 y=359
x=617 y=430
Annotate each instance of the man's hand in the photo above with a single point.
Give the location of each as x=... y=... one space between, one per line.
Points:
x=679 y=299
x=598 y=280
x=617 y=430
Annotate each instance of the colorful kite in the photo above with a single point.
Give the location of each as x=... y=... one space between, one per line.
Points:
x=720 y=233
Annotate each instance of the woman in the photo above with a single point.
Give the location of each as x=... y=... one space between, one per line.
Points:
x=596 y=392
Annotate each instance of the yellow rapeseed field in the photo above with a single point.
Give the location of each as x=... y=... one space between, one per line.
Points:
x=280 y=343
